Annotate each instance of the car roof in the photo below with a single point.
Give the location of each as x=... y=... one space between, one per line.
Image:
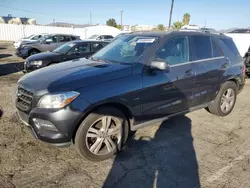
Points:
x=82 y=41
x=63 y=34
x=161 y=34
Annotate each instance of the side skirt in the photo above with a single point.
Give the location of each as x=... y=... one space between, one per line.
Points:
x=148 y=123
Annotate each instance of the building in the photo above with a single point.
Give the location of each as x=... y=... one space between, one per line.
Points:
x=16 y=20
x=142 y=27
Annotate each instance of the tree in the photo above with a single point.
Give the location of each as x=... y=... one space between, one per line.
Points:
x=177 y=25
x=119 y=26
x=186 y=19
x=161 y=27
x=111 y=22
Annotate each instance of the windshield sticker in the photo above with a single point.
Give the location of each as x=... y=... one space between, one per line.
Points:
x=145 y=41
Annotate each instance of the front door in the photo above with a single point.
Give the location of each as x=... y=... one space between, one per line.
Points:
x=170 y=91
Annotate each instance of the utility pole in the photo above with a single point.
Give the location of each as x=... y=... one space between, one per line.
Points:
x=205 y=23
x=53 y=22
x=170 y=16
x=121 y=19
x=90 y=18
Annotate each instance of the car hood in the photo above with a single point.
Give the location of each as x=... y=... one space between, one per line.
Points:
x=30 y=42
x=44 y=56
x=72 y=75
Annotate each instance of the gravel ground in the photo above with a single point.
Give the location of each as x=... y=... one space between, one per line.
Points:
x=196 y=150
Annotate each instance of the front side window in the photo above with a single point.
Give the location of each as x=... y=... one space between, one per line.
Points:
x=82 y=48
x=126 y=49
x=36 y=37
x=174 y=51
x=96 y=47
x=64 y=38
x=201 y=47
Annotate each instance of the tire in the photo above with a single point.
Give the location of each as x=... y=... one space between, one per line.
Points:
x=33 y=51
x=94 y=146
x=218 y=107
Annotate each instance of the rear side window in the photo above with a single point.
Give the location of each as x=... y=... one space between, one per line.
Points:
x=216 y=49
x=201 y=47
x=74 y=37
x=229 y=47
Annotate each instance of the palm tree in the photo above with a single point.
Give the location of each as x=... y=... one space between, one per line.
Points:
x=186 y=19
x=160 y=27
x=177 y=25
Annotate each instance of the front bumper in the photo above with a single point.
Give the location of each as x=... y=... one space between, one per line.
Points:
x=21 y=53
x=64 y=120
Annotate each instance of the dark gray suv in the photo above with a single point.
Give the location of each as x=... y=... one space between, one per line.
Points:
x=135 y=81
x=47 y=43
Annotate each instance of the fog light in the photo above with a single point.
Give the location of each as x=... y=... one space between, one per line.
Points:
x=43 y=124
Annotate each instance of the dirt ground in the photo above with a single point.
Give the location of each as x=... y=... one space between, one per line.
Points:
x=196 y=150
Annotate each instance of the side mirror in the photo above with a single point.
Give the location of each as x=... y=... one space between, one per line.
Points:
x=159 y=64
x=48 y=41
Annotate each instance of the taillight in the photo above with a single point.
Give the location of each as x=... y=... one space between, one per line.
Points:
x=244 y=69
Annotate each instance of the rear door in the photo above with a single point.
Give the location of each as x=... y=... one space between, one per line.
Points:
x=210 y=65
x=167 y=92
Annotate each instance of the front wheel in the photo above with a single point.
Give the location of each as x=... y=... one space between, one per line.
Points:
x=102 y=134
x=225 y=100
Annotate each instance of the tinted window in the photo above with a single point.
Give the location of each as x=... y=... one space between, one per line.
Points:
x=74 y=38
x=104 y=43
x=65 y=48
x=83 y=48
x=229 y=47
x=96 y=47
x=175 y=51
x=201 y=47
x=216 y=50
x=64 y=39
x=54 y=39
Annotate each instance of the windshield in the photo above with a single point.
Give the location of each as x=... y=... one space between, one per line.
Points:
x=125 y=49
x=93 y=37
x=65 y=48
x=29 y=36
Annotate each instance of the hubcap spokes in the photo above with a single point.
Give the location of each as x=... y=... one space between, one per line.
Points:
x=227 y=100
x=104 y=135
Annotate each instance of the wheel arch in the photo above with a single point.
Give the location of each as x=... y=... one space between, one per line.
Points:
x=117 y=105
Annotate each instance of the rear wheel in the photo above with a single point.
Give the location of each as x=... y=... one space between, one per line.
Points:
x=102 y=134
x=225 y=100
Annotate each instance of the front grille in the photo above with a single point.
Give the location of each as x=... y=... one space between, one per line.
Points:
x=24 y=99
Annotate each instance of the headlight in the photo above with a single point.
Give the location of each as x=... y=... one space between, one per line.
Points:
x=59 y=100
x=36 y=62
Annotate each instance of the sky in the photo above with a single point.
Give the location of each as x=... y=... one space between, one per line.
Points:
x=218 y=14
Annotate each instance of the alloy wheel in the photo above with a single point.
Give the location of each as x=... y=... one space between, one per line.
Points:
x=227 y=100
x=104 y=135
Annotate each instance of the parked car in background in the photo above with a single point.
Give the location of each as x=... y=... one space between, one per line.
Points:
x=28 y=39
x=107 y=38
x=47 y=43
x=208 y=30
x=247 y=62
x=71 y=50
x=135 y=81
x=241 y=31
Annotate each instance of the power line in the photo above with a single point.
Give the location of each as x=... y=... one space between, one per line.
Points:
x=24 y=10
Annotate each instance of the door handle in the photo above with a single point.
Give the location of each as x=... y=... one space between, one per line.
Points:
x=188 y=72
x=224 y=66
